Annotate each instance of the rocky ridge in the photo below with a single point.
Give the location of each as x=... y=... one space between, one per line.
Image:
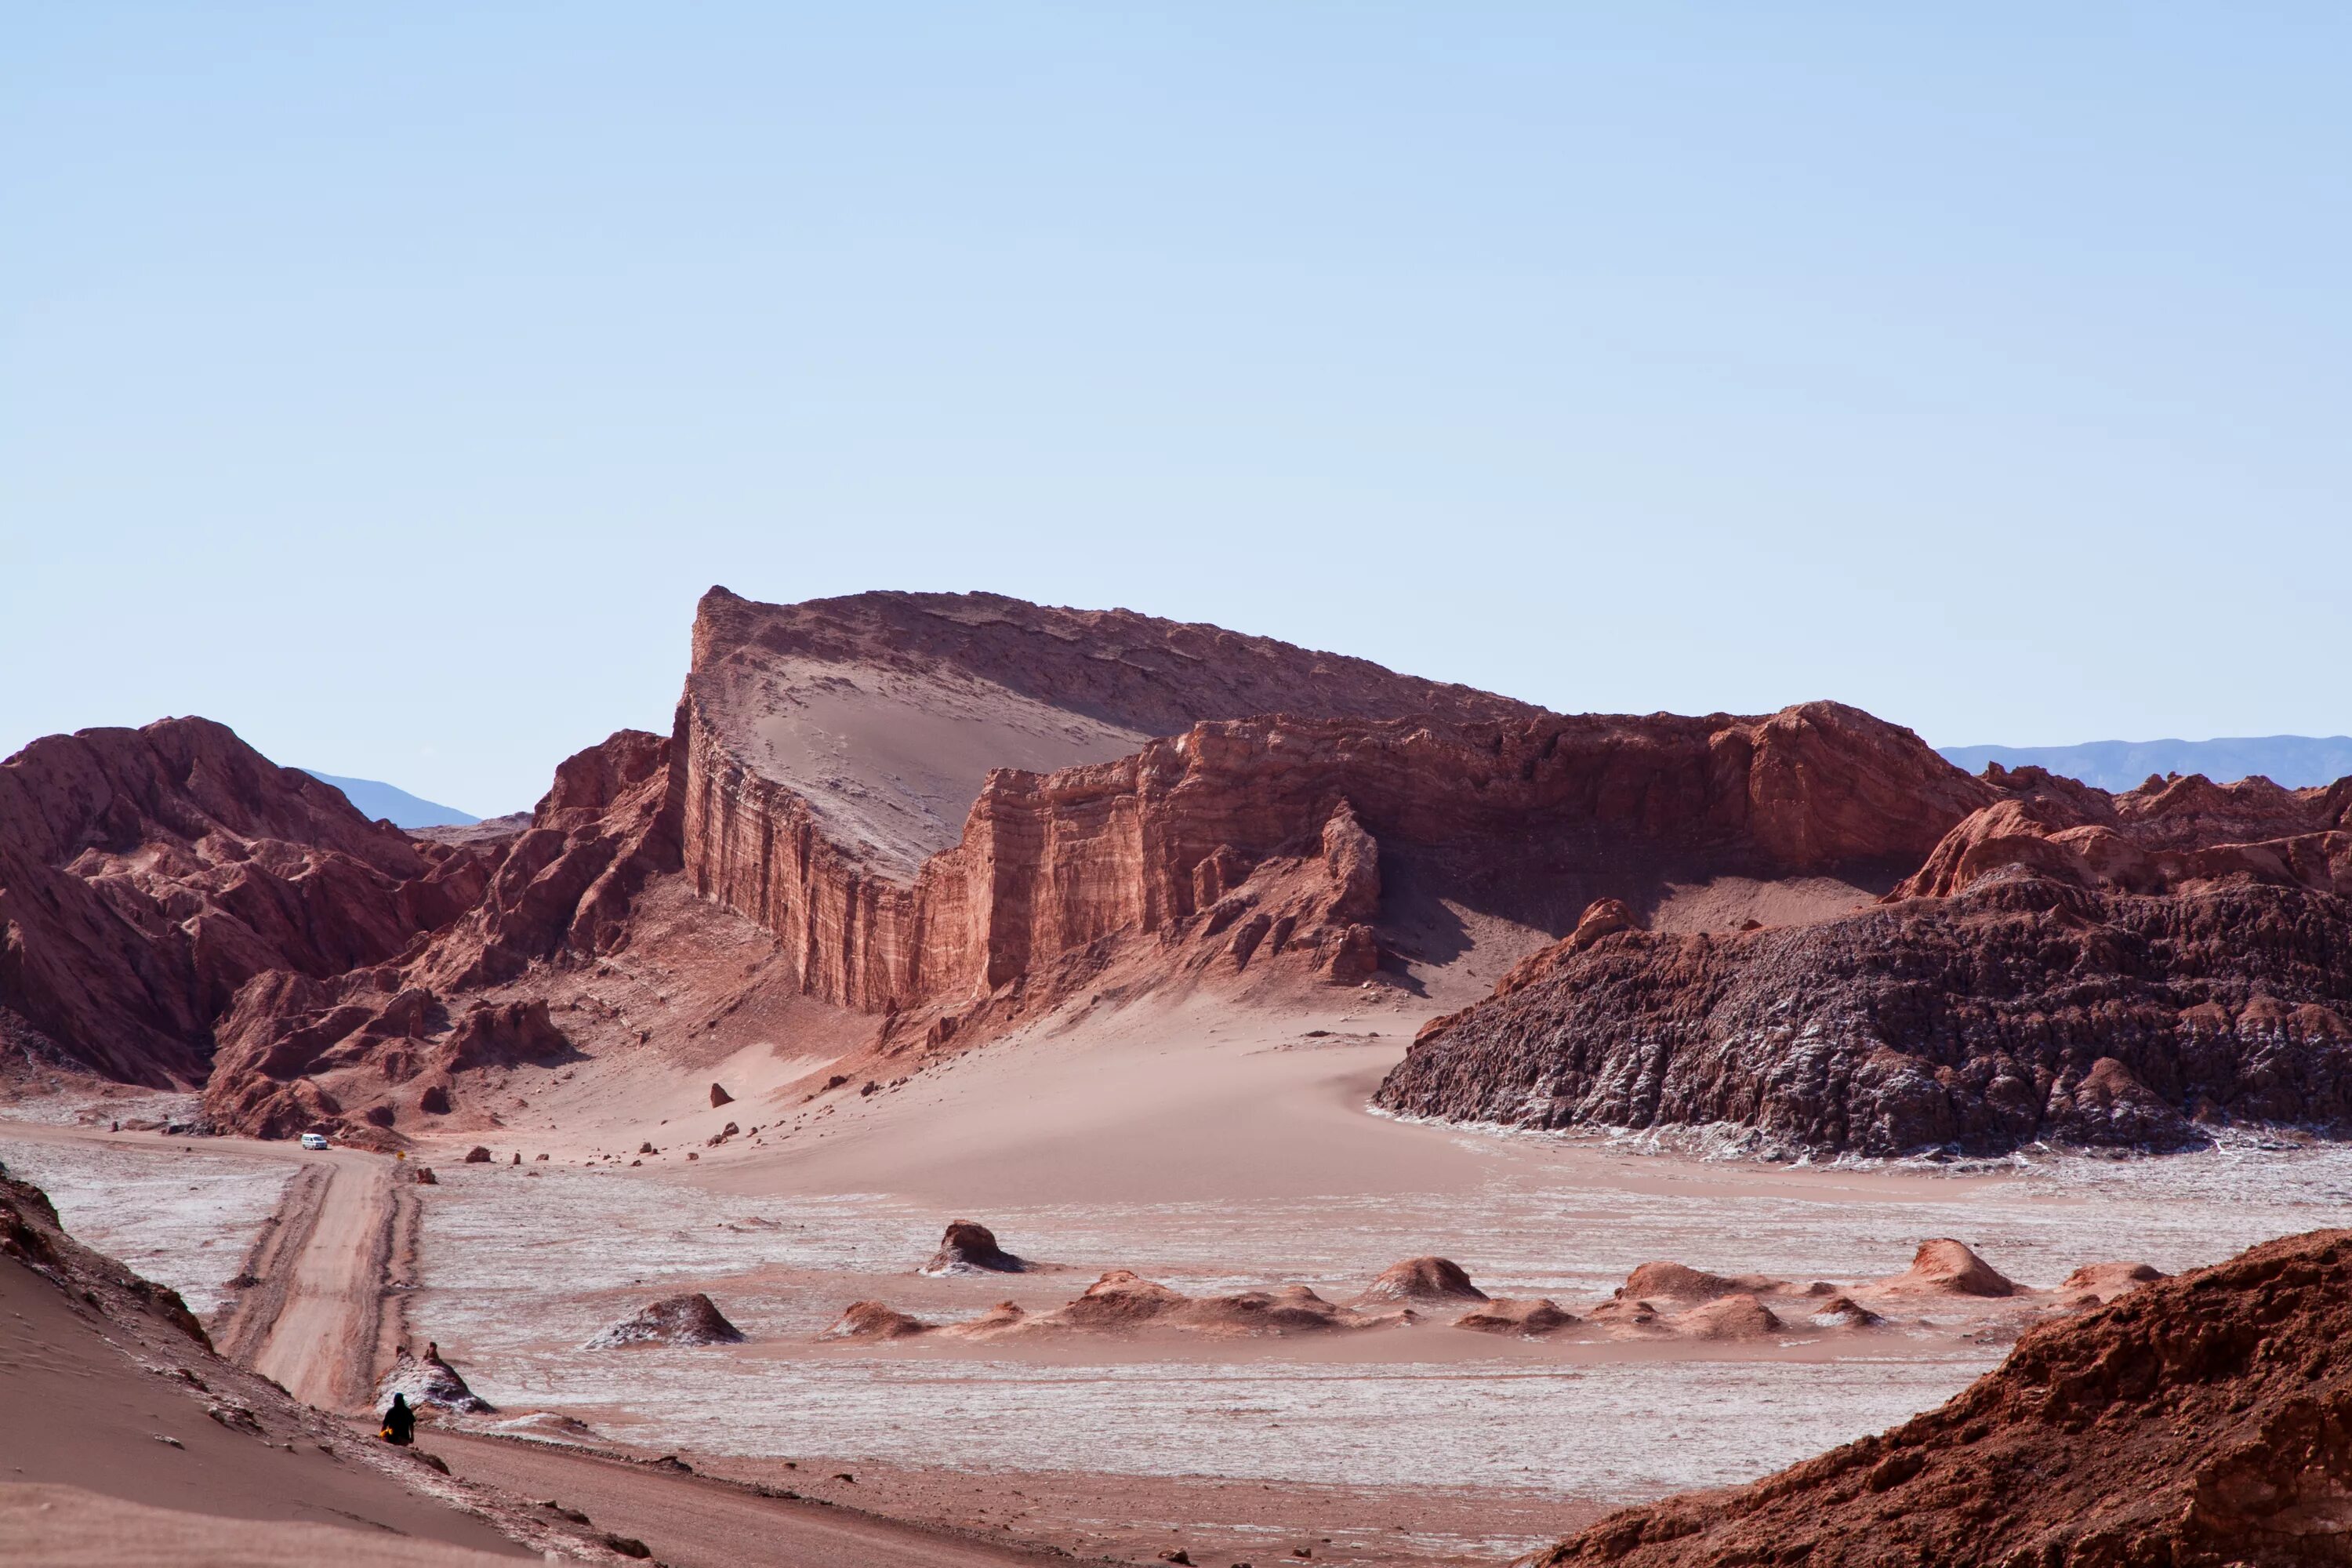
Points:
x=2064 y=966
x=2198 y=1421
x=147 y=875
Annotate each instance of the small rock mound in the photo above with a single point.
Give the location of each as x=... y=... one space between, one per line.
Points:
x=1740 y=1317
x=1292 y=1309
x=691 y=1320
x=969 y=1247
x=1121 y=1298
x=873 y=1321
x=1844 y=1312
x=1680 y=1282
x=1425 y=1280
x=1530 y=1317
x=478 y=1155
x=1947 y=1267
x=1002 y=1318
x=430 y=1382
x=2102 y=1282
x=720 y=1096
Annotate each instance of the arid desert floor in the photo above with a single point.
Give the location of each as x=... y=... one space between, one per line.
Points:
x=1212 y=1151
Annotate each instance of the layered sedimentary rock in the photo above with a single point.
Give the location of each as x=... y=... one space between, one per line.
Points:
x=146 y=874
x=1527 y=814
x=2202 y=1420
x=2064 y=965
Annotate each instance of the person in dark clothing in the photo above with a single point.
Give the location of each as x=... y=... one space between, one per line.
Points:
x=400 y=1421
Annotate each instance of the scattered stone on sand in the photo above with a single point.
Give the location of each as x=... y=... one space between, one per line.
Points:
x=1844 y=1312
x=1507 y=1315
x=1740 y=1317
x=1680 y=1282
x=720 y=1096
x=478 y=1155
x=969 y=1247
x=2102 y=1282
x=425 y=1178
x=1947 y=1267
x=874 y=1321
x=1424 y=1279
x=430 y=1382
x=689 y=1320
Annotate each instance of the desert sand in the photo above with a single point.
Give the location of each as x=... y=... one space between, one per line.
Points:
x=1218 y=1154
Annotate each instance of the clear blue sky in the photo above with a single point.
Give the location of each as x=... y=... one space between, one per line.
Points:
x=387 y=383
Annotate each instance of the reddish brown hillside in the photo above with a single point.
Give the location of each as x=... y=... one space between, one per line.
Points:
x=924 y=807
x=145 y=875
x=2198 y=1420
x=350 y=1051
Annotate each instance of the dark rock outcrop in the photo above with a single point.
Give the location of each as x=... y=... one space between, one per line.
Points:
x=2067 y=966
x=2195 y=1422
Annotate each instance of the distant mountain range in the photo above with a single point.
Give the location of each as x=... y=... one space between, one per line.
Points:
x=376 y=798
x=2295 y=761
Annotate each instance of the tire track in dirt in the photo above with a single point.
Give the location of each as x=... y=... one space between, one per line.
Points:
x=320 y=1344
x=245 y=1320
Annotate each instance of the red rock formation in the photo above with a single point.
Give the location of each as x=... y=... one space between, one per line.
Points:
x=873 y=1321
x=354 y=1052
x=1680 y=1282
x=1738 y=1317
x=2197 y=1422
x=808 y=785
x=1947 y=1267
x=1424 y=1279
x=969 y=1247
x=1531 y=1318
x=1529 y=813
x=2065 y=965
x=146 y=874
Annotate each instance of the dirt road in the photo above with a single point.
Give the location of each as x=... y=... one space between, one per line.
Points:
x=690 y=1522
x=328 y=1286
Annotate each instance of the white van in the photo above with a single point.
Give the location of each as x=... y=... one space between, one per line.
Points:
x=314 y=1139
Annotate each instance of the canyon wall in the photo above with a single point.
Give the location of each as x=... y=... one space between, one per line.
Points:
x=1530 y=818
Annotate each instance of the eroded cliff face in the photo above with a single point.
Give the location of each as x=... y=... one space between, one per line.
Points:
x=146 y=874
x=1531 y=817
x=2066 y=966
